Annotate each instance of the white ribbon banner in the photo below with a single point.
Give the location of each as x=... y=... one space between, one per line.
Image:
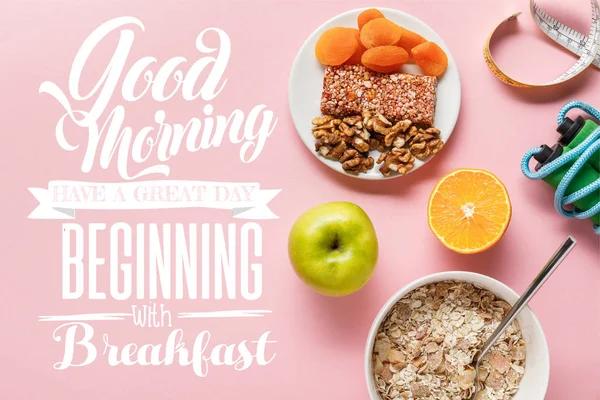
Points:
x=62 y=198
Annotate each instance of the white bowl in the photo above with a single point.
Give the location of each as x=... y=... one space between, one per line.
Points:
x=534 y=384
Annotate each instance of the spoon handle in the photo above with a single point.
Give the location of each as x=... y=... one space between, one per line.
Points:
x=537 y=283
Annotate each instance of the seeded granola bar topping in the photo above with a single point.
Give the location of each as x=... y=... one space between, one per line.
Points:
x=352 y=89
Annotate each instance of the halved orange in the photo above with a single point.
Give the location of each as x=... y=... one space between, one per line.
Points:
x=469 y=210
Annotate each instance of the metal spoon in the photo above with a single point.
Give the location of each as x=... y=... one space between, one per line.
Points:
x=537 y=283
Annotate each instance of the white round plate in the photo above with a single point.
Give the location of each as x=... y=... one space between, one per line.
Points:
x=306 y=84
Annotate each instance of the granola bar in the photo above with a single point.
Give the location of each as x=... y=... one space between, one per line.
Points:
x=350 y=89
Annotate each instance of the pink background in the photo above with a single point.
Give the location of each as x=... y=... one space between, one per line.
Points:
x=320 y=340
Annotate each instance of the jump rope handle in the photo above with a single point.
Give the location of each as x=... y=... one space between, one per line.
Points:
x=567 y=169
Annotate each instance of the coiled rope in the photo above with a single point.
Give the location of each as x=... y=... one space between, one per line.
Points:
x=581 y=153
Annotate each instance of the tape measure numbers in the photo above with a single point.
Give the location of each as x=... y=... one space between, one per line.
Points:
x=586 y=47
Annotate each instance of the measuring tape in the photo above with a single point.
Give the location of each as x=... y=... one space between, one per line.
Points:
x=586 y=47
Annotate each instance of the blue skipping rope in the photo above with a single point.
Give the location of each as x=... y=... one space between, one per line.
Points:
x=581 y=153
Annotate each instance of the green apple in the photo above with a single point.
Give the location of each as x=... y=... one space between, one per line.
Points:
x=333 y=248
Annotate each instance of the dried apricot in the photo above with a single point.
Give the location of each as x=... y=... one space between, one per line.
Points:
x=385 y=59
x=368 y=15
x=380 y=32
x=356 y=57
x=430 y=58
x=335 y=46
x=409 y=40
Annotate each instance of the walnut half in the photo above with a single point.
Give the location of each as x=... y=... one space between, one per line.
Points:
x=354 y=162
x=398 y=160
x=393 y=132
x=426 y=143
x=331 y=146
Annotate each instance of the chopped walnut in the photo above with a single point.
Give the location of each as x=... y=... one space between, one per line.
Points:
x=349 y=154
x=364 y=134
x=398 y=160
x=373 y=132
x=392 y=132
x=354 y=162
x=348 y=130
x=377 y=142
x=359 y=144
x=328 y=139
x=331 y=146
x=319 y=133
x=426 y=143
x=367 y=120
x=322 y=119
x=399 y=141
x=412 y=132
x=332 y=131
x=355 y=120
x=329 y=125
